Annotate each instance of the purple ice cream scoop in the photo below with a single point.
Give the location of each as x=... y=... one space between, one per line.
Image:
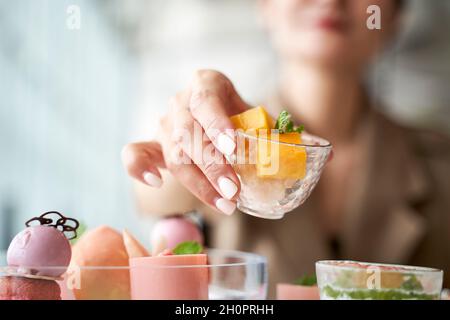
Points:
x=39 y=247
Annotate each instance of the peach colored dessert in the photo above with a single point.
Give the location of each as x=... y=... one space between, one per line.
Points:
x=101 y=247
x=104 y=258
x=180 y=274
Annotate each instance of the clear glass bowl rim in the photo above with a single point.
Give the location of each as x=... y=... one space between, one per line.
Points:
x=325 y=145
x=407 y=269
x=249 y=259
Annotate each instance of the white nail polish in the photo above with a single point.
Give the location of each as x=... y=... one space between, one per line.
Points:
x=227 y=187
x=225 y=144
x=152 y=180
x=226 y=206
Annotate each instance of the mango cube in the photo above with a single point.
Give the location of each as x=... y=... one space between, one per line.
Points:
x=255 y=118
x=281 y=161
x=273 y=160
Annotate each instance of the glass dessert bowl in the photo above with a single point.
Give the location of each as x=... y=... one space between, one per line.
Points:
x=277 y=174
x=217 y=274
x=350 y=280
x=277 y=163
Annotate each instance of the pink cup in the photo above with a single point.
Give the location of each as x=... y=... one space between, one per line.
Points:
x=174 y=277
x=295 y=292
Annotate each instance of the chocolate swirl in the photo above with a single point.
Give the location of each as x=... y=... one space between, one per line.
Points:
x=68 y=226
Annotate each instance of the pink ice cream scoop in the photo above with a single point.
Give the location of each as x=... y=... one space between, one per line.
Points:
x=37 y=248
x=169 y=232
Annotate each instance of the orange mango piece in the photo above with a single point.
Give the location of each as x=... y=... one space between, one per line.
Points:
x=255 y=118
x=251 y=121
x=281 y=161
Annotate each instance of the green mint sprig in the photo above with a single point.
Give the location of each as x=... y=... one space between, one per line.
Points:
x=285 y=124
x=188 y=247
x=306 y=280
x=412 y=284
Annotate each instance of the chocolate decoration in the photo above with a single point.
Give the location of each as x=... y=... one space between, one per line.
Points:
x=60 y=223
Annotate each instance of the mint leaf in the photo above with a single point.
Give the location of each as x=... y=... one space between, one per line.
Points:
x=284 y=123
x=300 y=129
x=188 y=247
x=306 y=280
x=412 y=284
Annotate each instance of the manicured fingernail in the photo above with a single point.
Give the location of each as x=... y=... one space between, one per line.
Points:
x=225 y=144
x=226 y=206
x=227 y=187
x=152 y=179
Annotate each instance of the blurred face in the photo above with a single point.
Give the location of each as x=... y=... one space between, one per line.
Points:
x=329 y=32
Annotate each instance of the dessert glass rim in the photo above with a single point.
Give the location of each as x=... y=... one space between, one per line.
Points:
x=247 y=260
x=325 y=144
x=399 y=268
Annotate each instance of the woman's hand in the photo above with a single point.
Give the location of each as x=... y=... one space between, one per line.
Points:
x=202 y=110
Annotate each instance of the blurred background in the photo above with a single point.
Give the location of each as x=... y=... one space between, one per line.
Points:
x=71 y=98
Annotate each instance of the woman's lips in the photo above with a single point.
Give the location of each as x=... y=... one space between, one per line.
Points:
x=330 y=24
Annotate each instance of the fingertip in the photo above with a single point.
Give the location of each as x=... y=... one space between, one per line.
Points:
x=228 y=187
x=225 y=144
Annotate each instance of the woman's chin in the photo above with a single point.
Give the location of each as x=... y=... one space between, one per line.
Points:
x=323 y=50
x=332 y=59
